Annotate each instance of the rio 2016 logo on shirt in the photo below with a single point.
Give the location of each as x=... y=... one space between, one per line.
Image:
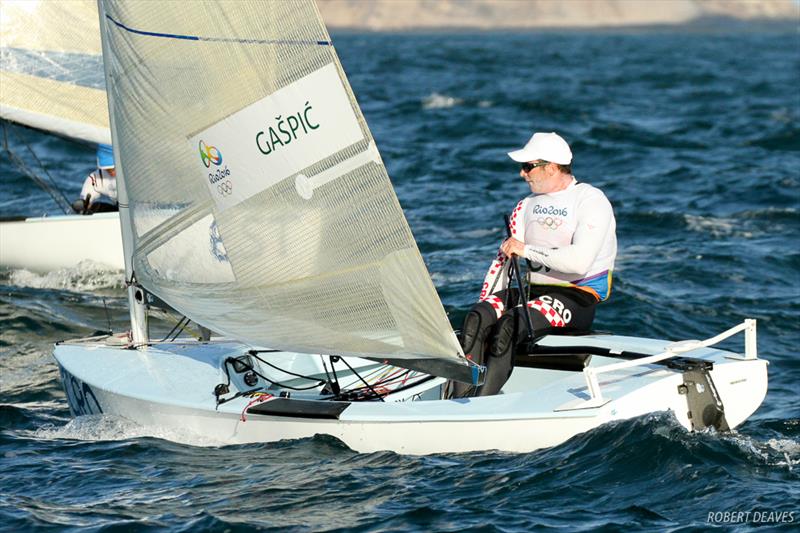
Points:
x=210 y=154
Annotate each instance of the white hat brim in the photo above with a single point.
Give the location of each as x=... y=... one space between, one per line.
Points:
x=520 y=156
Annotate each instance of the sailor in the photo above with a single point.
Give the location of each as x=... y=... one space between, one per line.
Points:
x=99 y=192
x=567 y=233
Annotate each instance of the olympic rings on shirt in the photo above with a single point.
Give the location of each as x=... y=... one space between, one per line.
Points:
x=225 y=188
x=550 y=222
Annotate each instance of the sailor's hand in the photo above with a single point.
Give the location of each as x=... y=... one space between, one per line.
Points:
x=513 y=247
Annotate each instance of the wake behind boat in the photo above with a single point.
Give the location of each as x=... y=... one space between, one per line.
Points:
x=250 y=131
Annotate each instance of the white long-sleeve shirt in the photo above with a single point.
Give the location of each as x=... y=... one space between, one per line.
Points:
x=99 y=183
x=570 y=239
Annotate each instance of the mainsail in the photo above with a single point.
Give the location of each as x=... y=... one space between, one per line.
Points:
x=51 y=72
x=258 y=203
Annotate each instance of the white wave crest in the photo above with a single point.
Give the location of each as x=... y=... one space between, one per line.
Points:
x=481 y=233
x=115 y=428
x=782 y=115
x=85 y=276
x=440 y=279
x=717 y=227
x=780 y=452
x=440 y=101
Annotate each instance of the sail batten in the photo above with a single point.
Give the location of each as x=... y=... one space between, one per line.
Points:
x=259 y=204
x=216 y=39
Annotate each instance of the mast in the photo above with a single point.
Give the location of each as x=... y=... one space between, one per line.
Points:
x=136 y=293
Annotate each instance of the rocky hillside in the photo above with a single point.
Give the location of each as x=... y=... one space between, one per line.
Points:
x=489 y=14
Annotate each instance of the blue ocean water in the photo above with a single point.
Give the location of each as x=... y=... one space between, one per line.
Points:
x=695 y=138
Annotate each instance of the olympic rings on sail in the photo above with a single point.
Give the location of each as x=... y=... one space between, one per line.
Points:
x=550 y=222
x=225 y=188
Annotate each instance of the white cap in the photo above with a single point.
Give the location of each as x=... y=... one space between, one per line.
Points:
x=545 y=146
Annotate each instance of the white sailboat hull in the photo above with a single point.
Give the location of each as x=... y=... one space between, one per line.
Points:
x=171 y=386
x=46 y=244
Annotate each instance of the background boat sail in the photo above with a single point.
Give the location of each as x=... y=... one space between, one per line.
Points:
x=237 y=119
x=51 y=79
x=52 y=69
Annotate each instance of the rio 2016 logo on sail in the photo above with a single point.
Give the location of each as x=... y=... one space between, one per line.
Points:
x=211 y=155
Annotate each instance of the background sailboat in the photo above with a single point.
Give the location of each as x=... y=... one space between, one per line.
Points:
x=52 y=79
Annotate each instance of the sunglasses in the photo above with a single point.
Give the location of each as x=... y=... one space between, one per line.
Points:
x=527 y=167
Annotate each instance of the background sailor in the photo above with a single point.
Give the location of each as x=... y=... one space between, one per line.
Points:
x=99 y=192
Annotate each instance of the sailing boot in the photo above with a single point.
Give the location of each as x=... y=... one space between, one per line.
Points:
x=473 y=338
x=500 y=359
